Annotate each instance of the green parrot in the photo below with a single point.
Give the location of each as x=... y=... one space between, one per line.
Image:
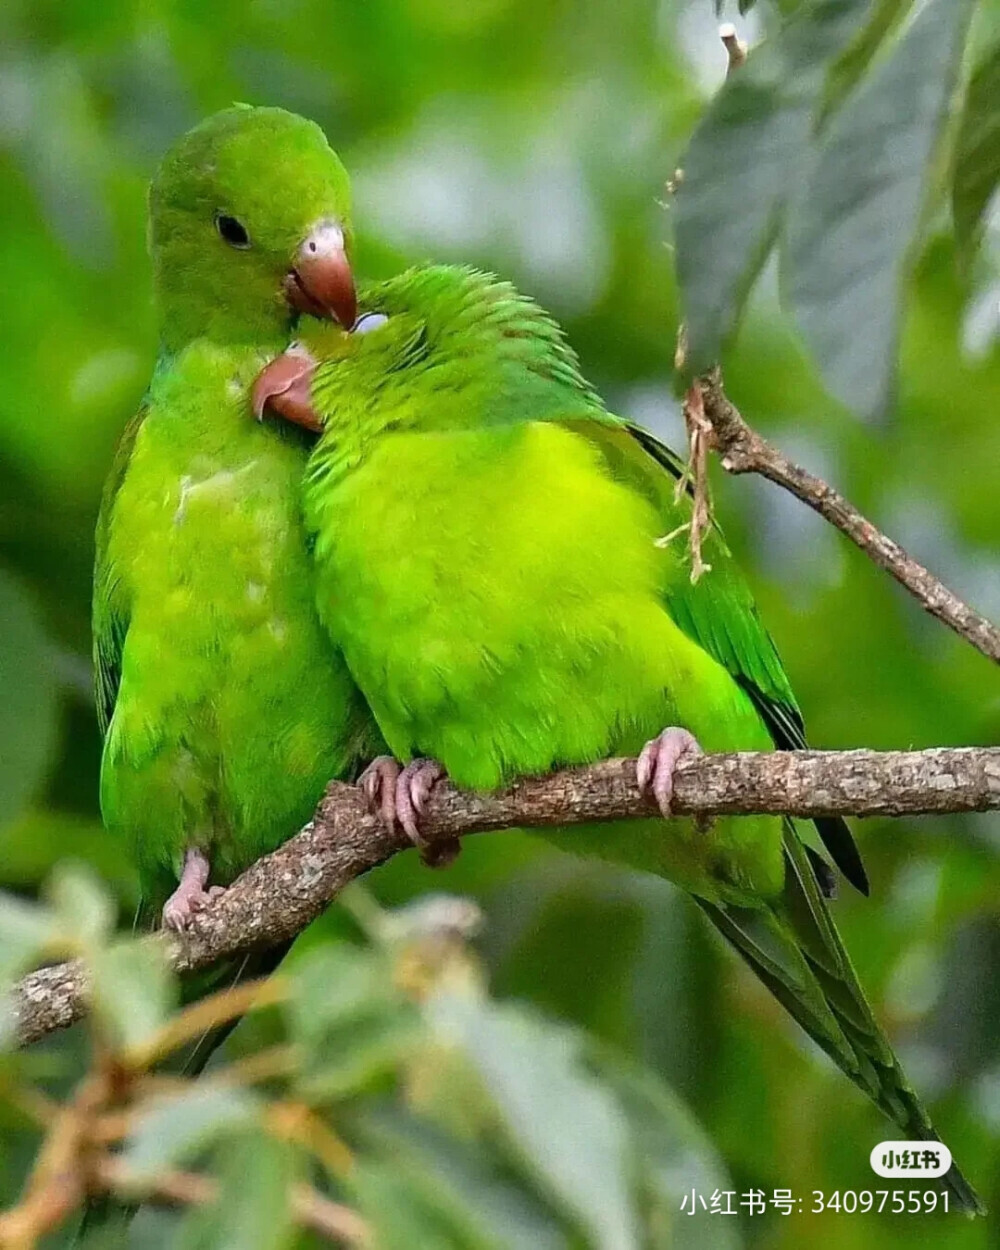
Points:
x=490 y=558
x=225 y=709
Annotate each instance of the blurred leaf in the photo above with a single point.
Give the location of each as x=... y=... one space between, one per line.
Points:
x=26 y=929
x=405 y=1213
x=673 y=1156
x=471 y=1183
x=740 y=166
x=84 y=909
x=977 y=155
x=134 y=992
x=352 y=1023
x=852 y=225
x=848 y=68
x=172 y=1130
x=28 y=708
x=562 y=119
x=252 y=1210
x=546 y=1098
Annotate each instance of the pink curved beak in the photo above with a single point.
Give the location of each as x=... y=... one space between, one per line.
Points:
x=284 y=386
x=321 y=282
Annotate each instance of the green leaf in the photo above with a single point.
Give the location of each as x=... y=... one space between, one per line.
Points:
x=740 y=166
x=172 y=1130
x=351 y=1022
x=26 y=929
x=977 y=155
x=853 y=224
x=672 y=1153
x=133 y=992
x=744 y=6
x=84 y=909
x=546 y=1099
x=461 y=1177
x=252 y=1210
x=405 y=1213
x=28 y=708
x=849 y=67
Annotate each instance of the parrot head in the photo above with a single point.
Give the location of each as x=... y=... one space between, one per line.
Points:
x=249 y=224
x=472 y=333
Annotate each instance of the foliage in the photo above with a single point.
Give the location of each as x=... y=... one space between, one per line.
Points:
x=536 y=140
x=394 y=1103
x=842 y=183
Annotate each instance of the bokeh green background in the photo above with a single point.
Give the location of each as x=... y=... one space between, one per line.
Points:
x=534 y=137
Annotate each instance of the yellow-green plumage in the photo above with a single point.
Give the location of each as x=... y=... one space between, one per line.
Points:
x=486 y=542
x=232 y=711
x=522 y=626
x=225 y=707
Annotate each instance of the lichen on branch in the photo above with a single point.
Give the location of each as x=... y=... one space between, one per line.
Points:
x=279 y=895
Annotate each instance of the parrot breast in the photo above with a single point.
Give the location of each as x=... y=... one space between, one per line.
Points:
x=232 y=709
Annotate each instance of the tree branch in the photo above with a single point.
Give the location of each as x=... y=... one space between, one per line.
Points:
x=713 y=420
x=743 y=450
x=282 y=893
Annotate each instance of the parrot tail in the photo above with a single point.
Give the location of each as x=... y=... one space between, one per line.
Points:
x=793 y=947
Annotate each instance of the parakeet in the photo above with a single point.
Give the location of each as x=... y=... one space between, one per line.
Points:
x=490 y=556
x=224 y=706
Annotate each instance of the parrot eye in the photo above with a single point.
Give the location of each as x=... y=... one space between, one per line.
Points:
x=369 y=322
x=233 y=231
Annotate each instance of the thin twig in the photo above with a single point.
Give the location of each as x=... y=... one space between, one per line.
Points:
x=297 y=1122
x=330 y=1219
x=699 y=429
x=55 y=1186
x=699 y=432
x=283 y=892
x=310 y=1209
x=207 y=1014
x=73 y=1163
x=735 y=47
x=743 y=450
x=712 y=420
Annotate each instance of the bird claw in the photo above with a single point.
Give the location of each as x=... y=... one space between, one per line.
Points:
x=413 y=787
x=378 y=782
x=657 y=761
x=191 y=896
x=200 y=901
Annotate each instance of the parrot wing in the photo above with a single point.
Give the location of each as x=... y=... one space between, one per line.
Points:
x=111 y=605
x=790 y=943
x=718 y=612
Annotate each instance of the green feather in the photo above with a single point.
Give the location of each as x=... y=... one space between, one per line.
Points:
x=224 y=707
x=487 y=554
x=719 y=613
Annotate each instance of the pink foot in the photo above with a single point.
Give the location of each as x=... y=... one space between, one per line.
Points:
x=658 y=759
x=378 y=781
x=413 y=787
x=190 y=896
